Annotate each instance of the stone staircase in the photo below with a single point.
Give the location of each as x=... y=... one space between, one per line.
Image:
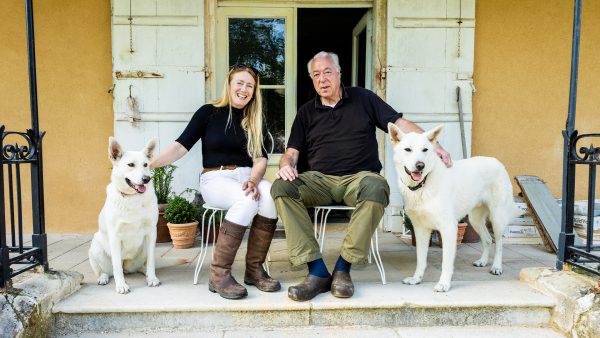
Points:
x=470 y=309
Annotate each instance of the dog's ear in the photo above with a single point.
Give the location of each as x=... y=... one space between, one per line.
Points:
x=149 y=149
x=434 y=134
x=395 y=133
x=115 y=151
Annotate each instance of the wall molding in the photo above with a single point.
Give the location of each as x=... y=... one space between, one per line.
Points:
x=158 y=117
x=433 y=23
x=123 y=20
x=436 y=117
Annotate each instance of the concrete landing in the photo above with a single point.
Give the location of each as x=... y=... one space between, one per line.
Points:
x=351 y=332
x=478 y=304
x=188 y=307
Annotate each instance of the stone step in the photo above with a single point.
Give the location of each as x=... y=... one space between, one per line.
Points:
x=350 y=332
x=190 y=308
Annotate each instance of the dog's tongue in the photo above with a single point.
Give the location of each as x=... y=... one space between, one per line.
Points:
x=140 y=188
x=416 y=176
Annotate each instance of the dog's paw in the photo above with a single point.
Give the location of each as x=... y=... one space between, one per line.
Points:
x=441 y=287
x=122 y=288
x=480 y=263
x=153 y=281
x=411 y=280
x=103 y=279
x=496 y=270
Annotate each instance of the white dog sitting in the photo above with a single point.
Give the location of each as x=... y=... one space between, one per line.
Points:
x=126 y=238
x=436 y=198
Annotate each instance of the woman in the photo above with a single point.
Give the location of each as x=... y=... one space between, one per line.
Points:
x=234 y=160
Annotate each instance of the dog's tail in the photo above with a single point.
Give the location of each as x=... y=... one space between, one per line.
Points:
x=164 y=262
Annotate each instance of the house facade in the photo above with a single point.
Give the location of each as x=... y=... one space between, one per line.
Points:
x=495 y=73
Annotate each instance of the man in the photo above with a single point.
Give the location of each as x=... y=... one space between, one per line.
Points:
x=335 y=134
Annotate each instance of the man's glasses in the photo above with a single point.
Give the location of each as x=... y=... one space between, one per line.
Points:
x=243 y=66
x=327 y=73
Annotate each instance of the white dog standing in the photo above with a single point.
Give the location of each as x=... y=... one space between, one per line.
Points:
x=437 y=197
x=126 y=238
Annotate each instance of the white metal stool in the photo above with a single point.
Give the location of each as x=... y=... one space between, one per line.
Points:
x=321 y=224
x=212 y=223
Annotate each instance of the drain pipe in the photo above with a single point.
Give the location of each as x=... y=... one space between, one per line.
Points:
x=461 y=121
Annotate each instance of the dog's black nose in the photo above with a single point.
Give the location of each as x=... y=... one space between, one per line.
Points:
x=420 y=166
x=146 y=179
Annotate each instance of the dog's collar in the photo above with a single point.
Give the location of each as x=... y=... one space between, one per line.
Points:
x=418 y=186
x=124 y=195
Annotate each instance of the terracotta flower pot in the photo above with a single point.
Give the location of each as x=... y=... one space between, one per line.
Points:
x=459 y=235
x=461 y=232
x=162 y=231
x=183 y=235
x=471 y=235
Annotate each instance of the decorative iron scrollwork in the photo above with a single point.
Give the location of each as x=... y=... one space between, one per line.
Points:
x=587 y=154
x=20 y=153
x=592 y=153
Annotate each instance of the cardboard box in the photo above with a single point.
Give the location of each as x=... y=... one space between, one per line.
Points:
x=582 y=233
x=524 y=220
x=523 y=206
x=581 y=208
x=523 y=240
x=581 y=221
x=521 y=231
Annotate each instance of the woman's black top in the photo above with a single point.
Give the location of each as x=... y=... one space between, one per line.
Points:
x=223 y=143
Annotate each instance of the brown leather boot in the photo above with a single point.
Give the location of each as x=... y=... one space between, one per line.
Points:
x=221 y=280
x=259 y=240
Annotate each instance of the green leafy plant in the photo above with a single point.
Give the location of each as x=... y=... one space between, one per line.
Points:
x=180 y=211
x=163 y=178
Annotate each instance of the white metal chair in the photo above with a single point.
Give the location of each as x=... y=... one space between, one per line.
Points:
x=321 y=224
x=212 y=222
x=211 y=212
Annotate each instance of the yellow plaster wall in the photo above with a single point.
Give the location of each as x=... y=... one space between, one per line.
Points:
x=73 y=52
x=522 y=70
x=522 y=64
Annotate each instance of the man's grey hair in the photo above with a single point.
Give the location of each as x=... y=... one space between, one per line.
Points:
x=331 y=55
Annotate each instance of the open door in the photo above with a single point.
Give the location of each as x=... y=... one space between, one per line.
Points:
x=361 y=52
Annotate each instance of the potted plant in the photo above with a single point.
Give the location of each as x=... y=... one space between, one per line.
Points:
x=163 y=178
x=181 y=217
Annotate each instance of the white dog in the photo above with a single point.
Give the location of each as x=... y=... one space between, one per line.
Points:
x=126 y=238
x=437 y=197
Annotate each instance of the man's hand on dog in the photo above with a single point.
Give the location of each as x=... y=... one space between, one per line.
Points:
x=444 y=155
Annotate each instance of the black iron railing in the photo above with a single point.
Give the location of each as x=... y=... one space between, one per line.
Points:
x=15 y=256
x=15 y=159
x=577 y=152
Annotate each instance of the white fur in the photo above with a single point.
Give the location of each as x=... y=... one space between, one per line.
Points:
x=126 y=236
x=478 y=187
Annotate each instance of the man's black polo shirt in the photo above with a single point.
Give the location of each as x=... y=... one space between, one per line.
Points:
x=341 y=140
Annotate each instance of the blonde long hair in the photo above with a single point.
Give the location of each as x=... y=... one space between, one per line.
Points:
x=252 y=121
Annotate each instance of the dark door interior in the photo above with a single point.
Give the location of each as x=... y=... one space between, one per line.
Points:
x=329 y=30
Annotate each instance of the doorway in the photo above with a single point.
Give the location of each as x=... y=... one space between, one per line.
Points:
x=330 y=30
x=279 y=42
